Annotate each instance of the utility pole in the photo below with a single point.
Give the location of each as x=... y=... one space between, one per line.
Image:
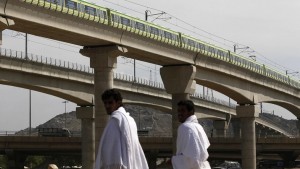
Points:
x=290 y=73
x=147 y=14
x=65 y=102
x=26 y=57
x=134 y=74
x=235 y=47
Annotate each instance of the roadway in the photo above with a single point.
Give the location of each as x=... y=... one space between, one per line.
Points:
x=224 y=148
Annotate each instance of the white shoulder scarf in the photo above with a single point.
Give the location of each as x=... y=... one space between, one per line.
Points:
x=119 y=146
x=192 y=145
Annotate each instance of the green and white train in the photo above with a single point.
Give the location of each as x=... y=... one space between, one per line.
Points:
x=134 y=25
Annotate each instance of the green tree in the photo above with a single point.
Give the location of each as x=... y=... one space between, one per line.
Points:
x=3 y=162
x=34 y=161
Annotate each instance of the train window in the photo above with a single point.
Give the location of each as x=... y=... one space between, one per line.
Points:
x=139 y=26
x=184 y=40
x=237 y=59
x=202 y=46
x=228 y=55
x=102 y=14
x=80 y=7
x=257 y=67
x=125 y=21
x=246 y=63
x=161 y=32
x=115 y=18
x=154 y=30
x=211 y=50
x=172 y=36
x=90 y=10
x=251 y=65
x=168 y=35
x=191 y=42
x=221 y=53
x=71 y=4
x=233 y=58
x=97 y=12
x=175 y=37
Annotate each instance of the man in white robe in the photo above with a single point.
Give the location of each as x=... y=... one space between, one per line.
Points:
x=192 y=142
x=119 y=146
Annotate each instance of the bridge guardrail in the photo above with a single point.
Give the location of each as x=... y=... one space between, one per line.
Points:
x=275 y=123
x=45 y=60
x=73 y=133
x=83 y=68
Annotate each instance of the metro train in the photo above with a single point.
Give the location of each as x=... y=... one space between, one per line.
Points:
x=118 y=20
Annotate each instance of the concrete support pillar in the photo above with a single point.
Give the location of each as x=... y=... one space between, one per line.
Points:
x=103 y=60
x=178 y=81
x=220 y=128
x=151 y=157
x=87 y=115
x=298 y=127
x=15 y=160
x=247 y=115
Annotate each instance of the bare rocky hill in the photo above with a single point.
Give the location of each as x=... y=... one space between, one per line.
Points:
x=156 y=122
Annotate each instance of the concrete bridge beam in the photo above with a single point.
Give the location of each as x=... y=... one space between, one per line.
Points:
x=87 y=116
x=178 y=81
x=103 y=60
x=247 y=115
x=298 y=126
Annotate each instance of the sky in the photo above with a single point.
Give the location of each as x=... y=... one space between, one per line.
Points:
x=268 y=27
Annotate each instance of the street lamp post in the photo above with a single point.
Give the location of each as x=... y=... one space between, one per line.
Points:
x=65 y=102
x=26 y=57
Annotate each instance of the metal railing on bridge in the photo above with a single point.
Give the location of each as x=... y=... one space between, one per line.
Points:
x=264 y=116
x=86 y=69
x=73 y=133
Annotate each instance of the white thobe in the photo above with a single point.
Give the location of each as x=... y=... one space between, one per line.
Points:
x=119 y=146
x=192 y=144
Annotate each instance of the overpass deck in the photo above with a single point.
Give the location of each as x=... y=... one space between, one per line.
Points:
x=46 y=145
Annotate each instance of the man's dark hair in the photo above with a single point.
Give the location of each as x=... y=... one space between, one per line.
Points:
x=188 y=104
x=112 y=93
